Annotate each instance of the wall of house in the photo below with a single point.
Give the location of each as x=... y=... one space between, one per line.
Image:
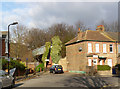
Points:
x=3 y=47
x=76 y=60
x=108 y=55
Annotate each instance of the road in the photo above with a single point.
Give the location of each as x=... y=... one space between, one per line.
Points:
x=68 y=80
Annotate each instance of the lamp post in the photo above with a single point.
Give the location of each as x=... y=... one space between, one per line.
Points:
x=14 y=23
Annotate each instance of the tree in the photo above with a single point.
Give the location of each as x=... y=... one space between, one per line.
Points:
x=109 y=27
x=56 y=49
x=47 y=47
x=17 y=46
x=81 y=25
x=65 y=33
x=35 y=38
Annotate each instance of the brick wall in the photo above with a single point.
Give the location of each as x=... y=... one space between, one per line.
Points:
x=77 y=61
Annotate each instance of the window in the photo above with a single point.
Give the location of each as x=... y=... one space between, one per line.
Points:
x=89 y=48
x=118 y=48
x=104 y=48
x=97 y=48
x=111 y=48
x=6 y=46
x=95 y=61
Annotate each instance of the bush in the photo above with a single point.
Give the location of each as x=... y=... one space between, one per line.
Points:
x=12 y=64
x=39 y=66
x=117 y=66
x=103 y=67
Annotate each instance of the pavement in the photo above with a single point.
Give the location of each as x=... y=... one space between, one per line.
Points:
x=69 y=80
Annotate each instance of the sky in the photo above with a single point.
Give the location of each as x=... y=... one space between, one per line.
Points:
x=42 y=15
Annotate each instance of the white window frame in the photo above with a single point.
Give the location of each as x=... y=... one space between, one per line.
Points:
x=112 y=48
x=89 y=62
x=89 y=47
x=6 y=46
x=97 y=48
x=104 y=48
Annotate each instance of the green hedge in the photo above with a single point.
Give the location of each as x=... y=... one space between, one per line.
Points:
x=39 y=66
x=12 y=64
x=117 y=66
x=103 y=67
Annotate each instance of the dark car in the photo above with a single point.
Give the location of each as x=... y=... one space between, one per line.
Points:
x=56 y=69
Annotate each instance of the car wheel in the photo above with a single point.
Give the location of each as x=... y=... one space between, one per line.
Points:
x=53 y=72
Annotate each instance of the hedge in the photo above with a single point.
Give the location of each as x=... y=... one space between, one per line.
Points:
x=103 y=67
x=12 y=64
x=117 y=66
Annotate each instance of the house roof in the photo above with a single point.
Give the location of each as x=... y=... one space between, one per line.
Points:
x=38 y=51
x=95 y=36
x=4 y=32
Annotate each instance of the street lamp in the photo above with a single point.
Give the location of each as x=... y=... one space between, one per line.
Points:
x=14 y=23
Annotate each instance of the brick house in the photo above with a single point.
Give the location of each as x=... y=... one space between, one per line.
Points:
x=91 y=48
x=3 y=43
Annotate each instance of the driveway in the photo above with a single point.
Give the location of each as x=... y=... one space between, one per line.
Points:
x=68 y=80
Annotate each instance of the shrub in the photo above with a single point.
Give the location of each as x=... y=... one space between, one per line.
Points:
x=12 y=64
x=39 y=66
x=117 y=66
x=103 y=67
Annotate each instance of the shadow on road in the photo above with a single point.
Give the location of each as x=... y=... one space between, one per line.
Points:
x=17 y=85
x=85 y=81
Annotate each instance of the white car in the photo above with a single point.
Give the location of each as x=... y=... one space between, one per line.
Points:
x=7 y=80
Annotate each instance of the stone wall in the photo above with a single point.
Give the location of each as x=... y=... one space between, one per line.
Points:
x=63 y=62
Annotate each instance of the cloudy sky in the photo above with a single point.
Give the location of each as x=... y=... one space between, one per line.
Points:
x=44 y=14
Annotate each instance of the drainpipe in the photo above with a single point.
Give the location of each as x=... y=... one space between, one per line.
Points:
x=116 y=51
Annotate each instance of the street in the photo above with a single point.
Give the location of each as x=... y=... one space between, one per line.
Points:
x=68 y=80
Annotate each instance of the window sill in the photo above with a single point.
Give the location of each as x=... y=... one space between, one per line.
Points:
x=105 y=53
x=97 y=52
x=111 y=52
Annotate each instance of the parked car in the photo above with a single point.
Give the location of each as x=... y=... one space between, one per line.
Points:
x=56 y=69
x=7 y=80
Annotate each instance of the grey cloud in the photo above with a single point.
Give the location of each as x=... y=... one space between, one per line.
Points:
x=43 y=15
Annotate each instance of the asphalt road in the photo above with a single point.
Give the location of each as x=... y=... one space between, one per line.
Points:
x=68 y=80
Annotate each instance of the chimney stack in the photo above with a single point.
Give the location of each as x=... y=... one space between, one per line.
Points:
x=100 y=28
x=79 y=34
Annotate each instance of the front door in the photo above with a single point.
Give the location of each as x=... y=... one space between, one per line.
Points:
x=110 y=62
x=101 y=62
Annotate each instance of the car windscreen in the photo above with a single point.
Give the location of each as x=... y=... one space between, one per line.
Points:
x=58 y=66
x=53 y=66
